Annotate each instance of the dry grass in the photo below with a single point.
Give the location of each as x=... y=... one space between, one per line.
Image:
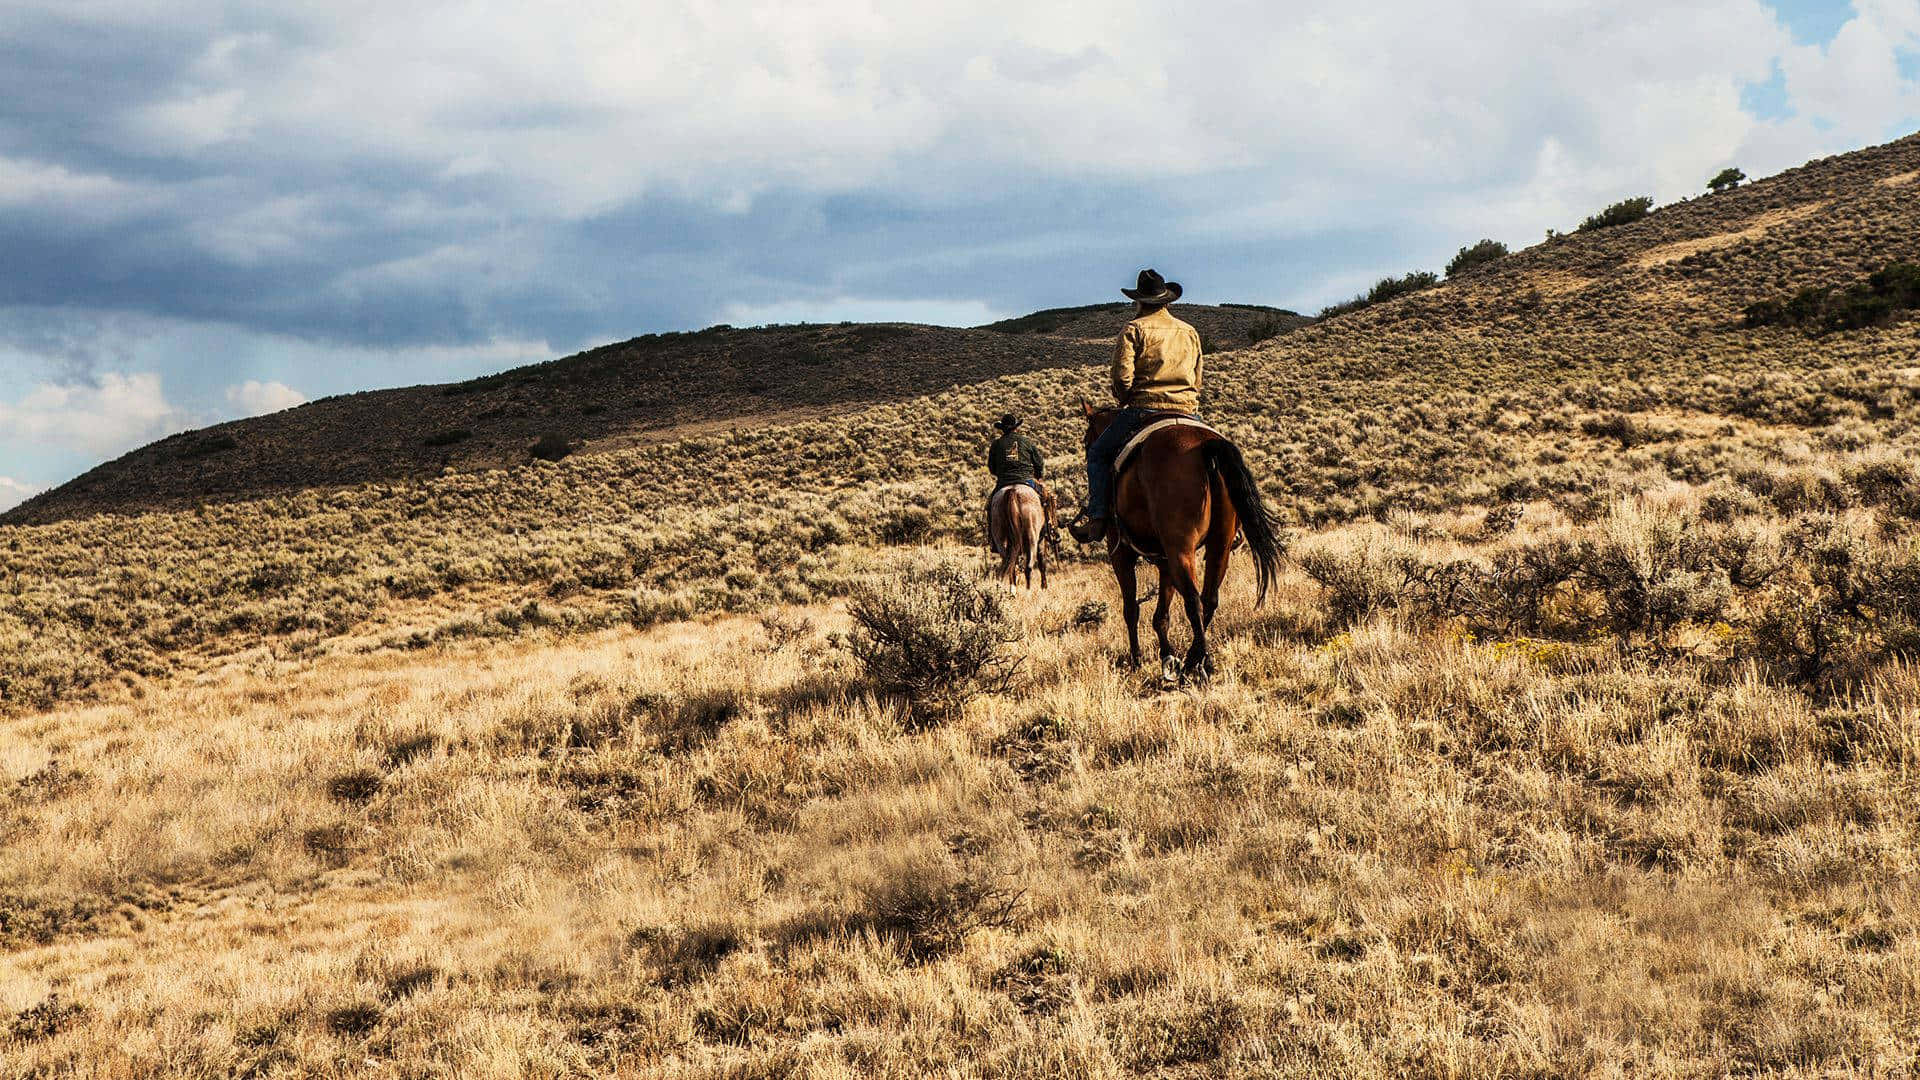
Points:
x=1557 y=284
x=1753 y=229
x=701 y=850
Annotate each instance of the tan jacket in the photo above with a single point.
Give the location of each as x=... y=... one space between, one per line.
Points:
x=1156 y=364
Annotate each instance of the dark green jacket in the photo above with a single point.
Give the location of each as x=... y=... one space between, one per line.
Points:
x=1015 y=460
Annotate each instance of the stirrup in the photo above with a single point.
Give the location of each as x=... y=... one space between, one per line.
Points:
x=1086 y=529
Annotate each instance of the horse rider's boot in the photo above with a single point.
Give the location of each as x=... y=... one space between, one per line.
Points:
x=1087 y=530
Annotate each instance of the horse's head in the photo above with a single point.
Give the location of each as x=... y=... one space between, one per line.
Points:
x=1097 y=419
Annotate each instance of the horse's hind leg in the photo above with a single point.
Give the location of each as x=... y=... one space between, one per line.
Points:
x=1163 y=623
x=1219 y=549
x=1126 y=568
x=1180 y=576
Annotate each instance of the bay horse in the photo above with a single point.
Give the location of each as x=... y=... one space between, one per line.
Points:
x=1186 y=491
x=1017 y=527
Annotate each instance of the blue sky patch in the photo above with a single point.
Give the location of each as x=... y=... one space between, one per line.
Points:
x=1813 y=22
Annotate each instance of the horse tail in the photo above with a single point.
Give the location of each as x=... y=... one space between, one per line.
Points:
x=1223 y=458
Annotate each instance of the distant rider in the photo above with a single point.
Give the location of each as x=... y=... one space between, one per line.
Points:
x=1156 y=370
x=1013 y=459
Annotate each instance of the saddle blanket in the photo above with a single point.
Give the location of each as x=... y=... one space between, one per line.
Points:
x=1126 y=452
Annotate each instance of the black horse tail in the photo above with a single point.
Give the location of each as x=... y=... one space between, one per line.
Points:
x=1256 y=523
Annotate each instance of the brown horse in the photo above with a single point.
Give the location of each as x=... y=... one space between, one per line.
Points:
x=1017 y=525
x=1186 y=491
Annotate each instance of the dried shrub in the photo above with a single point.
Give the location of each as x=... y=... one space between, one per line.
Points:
x=906 y=525
x=1362 y=579
x=932 y=639
x=353 y=1021
x=683 y=956
x=551 y=446
x=1656 y=570
x=356 y=786
x=1502 y=519
x=1846 y=605
x=44 y=1020
x=1090 y=613
x=929 y=904
x=1886 y=293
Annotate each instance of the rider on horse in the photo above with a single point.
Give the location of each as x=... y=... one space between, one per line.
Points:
x=1156 y=370
x=1013 y=459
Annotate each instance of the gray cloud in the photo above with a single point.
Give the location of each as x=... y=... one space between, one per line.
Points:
x=402 y=178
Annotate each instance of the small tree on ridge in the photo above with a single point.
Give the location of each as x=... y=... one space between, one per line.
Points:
x=1623 y=212
x=1478 y=254
x=1726 y=178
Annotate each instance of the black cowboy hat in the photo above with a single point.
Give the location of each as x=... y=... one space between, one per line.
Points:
x=1007 y=422
x=1154 y=289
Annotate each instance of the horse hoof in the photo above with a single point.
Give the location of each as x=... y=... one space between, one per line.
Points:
x=1170 y=671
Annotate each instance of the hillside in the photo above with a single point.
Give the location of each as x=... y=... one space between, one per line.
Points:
x=1495 y=387
x=1581 y=735
x=647 y=390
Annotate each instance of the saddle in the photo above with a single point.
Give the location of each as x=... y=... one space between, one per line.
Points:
x=1049 y=505
x=1159 y=422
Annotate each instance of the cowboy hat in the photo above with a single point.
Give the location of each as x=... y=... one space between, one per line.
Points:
x=1007 y=422
x=1153 y=289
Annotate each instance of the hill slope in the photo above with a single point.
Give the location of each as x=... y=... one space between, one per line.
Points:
x=1561 y=372
x=647 y=390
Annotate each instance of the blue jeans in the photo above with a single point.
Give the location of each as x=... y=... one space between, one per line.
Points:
x=1126 y=424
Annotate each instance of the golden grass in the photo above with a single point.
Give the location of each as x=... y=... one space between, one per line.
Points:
x=1753 y=229
x=1556 y=284
x=1899 y=179
x=699 y=850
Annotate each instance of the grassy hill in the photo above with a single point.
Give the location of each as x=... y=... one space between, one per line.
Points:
x=647 y=390
x=1581 y=736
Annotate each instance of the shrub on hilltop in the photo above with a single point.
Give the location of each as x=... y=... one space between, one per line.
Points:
x=1387 y=288
x=1624 y=212
x=1479 y=254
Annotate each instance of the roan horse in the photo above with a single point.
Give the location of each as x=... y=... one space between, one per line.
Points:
x=1185 y=491
x=1017 y=525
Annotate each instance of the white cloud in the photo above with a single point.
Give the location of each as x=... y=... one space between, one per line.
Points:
x=482 y=168
x=254 y=398
x=1854 y=82
x=191 y=123
x=113 y=413
x=574 y=108
x=24 y=183
x=14 y=492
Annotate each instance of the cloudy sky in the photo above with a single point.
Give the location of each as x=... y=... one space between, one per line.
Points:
x=215 y=208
